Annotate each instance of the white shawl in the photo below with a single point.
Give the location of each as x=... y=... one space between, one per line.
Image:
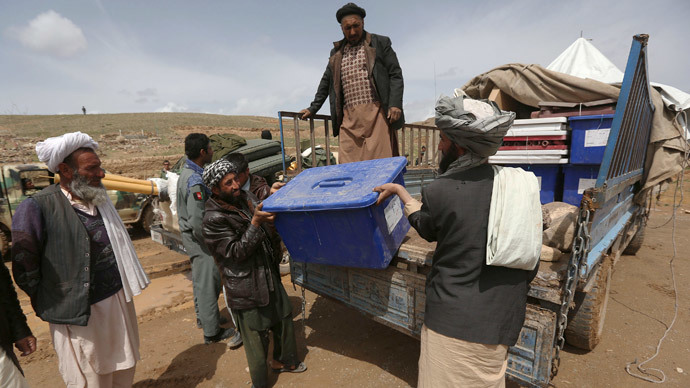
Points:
x=515 y=223
x=134 y=279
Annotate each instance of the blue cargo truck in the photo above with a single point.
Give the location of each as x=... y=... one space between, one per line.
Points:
x=567 y=299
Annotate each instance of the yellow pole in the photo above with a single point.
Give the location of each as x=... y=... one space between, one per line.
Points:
x=113 y=177
x=125 y=184
x=148 y=189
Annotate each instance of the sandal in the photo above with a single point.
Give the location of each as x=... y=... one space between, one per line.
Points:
x=298 y=369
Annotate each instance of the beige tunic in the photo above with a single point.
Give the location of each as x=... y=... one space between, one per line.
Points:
x=364 y=132
x=108 y=344
x=446 y=362
x=10 y=376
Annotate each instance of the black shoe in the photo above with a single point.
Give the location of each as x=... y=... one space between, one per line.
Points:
x=235 y=341
x=222 y=334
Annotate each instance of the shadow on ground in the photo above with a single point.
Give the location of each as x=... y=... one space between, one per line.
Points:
x=339 y=329
x=189 y=368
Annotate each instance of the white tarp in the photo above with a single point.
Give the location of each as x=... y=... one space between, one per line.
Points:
x=583 y=60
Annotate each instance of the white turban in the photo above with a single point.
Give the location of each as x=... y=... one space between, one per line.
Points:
x=53 y=150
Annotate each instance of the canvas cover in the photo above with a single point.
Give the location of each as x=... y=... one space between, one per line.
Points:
x=530 y=84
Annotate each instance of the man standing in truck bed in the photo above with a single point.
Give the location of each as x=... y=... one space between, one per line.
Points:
x=364 y=84
x=191 y=197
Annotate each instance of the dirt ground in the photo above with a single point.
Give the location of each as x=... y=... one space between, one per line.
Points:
x=344 y=348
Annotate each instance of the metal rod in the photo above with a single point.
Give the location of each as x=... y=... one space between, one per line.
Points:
x=410 y=144
x=426 y=144
x=312 y=140
x=282 y=144
x=402 y=140
x=419 y=145
x=297 y=144
x=328 y=143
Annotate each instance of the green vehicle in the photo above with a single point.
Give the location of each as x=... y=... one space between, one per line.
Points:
x=19 y=181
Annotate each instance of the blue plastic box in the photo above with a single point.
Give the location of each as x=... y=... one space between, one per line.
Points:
x=576 y=179
x=550 y=180
x=589 y=137
x=328 y=215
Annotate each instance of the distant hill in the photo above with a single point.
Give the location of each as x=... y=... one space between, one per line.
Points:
x=128 y=123
x=135 y=144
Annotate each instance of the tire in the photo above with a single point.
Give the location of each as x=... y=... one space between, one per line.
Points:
x=586 y=320
x=4 y=246
x=146 y=219
x=635 y=243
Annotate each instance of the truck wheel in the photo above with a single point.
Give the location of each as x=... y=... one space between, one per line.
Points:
x=4 y=246
x=635 y=243
x=586 y=320
x=146 y=219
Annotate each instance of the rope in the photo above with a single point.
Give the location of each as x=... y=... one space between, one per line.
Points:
x=646 y=371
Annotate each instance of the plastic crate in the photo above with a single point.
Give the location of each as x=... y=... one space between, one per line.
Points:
x=589 y=137
x=328 y=215
x=550 y=180
x=576 y=179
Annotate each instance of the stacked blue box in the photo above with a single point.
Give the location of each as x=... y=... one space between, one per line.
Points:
x=328 y=215
x=588 y=138
x=576 y=179
x=550 y=180
x=588 y=141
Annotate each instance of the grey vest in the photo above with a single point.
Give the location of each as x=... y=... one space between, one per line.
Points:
x=63 y=292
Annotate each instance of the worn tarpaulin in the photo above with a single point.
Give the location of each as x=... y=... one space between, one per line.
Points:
x=531 y=84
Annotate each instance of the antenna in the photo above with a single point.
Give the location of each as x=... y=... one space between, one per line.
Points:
x=587 y=39
x=435 y=95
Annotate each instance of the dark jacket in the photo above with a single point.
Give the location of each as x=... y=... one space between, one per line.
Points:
x=13 y=325
x=465 y=298
x=384 y=70
x=244 y=253
x=51 y=257
x=259 y=187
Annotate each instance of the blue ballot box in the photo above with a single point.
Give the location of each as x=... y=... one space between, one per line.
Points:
x=328 y=215
x=590 y=135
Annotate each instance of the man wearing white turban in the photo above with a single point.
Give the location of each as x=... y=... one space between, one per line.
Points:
x=72 y=255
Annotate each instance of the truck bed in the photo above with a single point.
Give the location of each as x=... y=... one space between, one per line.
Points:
x=417 y=253
x=395 y=297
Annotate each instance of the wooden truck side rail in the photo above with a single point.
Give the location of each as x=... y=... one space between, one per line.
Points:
x=411 y=139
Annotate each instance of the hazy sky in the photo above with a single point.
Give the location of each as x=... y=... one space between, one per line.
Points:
x=258 y=57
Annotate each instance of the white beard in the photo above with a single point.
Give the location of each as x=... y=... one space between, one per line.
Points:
x=95 y=195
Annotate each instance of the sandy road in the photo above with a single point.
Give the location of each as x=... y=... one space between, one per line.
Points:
x=344 y=348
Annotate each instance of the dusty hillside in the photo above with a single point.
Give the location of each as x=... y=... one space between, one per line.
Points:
x=134 y=144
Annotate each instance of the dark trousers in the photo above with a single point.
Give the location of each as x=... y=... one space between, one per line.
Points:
x=256 y=347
